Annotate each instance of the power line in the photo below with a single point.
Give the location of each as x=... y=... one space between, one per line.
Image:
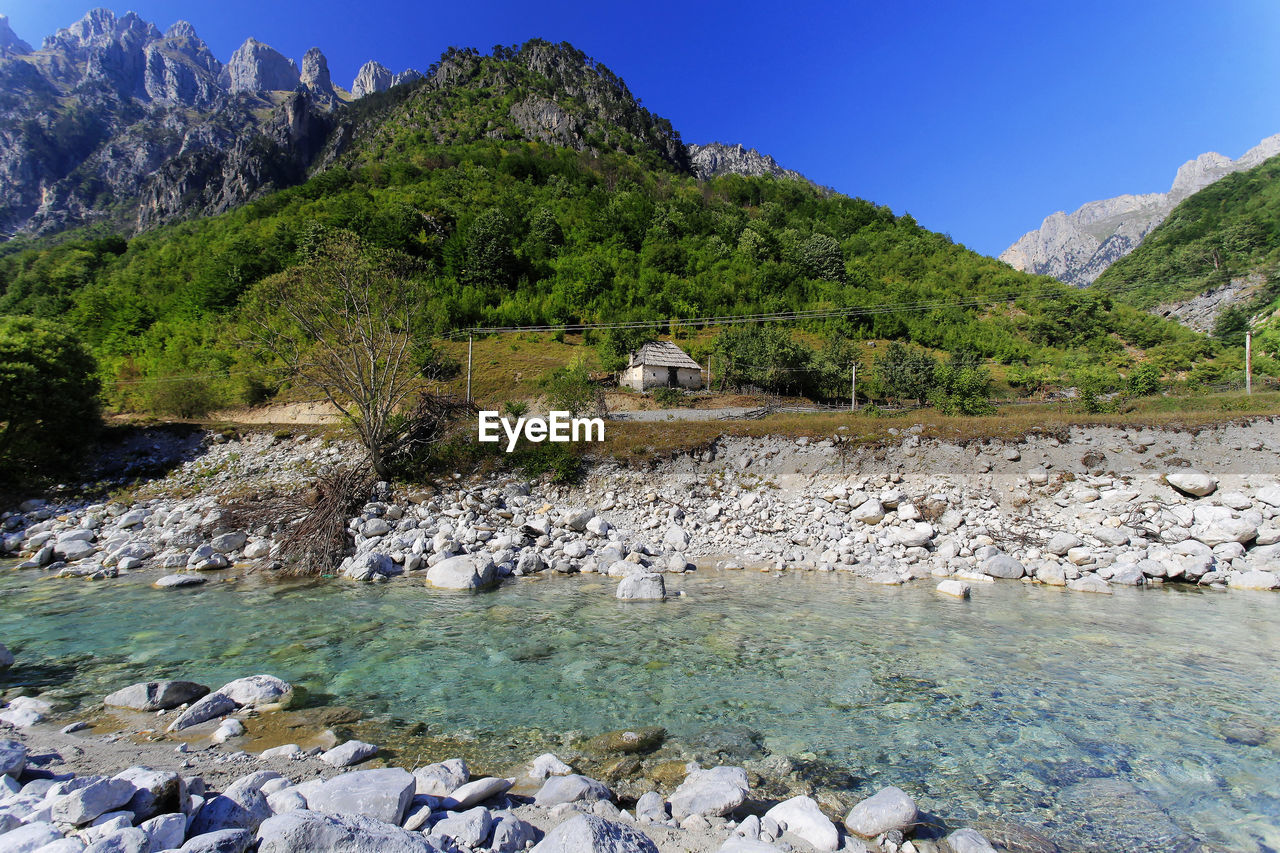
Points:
x=778 y=316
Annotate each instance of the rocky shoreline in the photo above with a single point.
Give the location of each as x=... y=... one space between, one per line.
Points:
x=1086 y=510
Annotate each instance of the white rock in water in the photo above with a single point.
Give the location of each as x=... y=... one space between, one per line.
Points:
x=463 y=572
x=155 y=695
x=969 y=841
x=258 y=690
x=547 y=764
x=351 y=752
x=959 y=589
x=1090 y=583
x=648 y=586
x=171 y=581
x=1256 y=579
x=213 y=705
x=890 y=808
x=1191 y=482
x=805 y=820
x=715 y=791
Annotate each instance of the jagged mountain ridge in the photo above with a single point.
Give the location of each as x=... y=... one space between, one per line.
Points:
x=112 y=120
x=1077 y=247
x=110 y=109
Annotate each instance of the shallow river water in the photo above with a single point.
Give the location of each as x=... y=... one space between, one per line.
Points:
x=1146 y=720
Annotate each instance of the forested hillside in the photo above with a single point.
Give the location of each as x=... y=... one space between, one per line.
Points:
x=530 y=187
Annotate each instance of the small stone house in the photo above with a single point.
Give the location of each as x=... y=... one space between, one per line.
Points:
x=661 y=364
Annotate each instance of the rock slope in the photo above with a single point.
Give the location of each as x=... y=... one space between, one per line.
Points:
x=717 y=158
x=1076 y=247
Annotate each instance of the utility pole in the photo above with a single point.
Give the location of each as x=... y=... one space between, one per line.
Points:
x=853 y=389
x=470 y=341
x=709 y=357
x=1248 y=362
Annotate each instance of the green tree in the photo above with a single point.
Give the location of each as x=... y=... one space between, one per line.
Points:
x=962 y=386
x=822 y=258
x=490 y=258
x=1143 y=381
x=48 y=396
x=1231 y=325
x=570 y=389
x=906 y=373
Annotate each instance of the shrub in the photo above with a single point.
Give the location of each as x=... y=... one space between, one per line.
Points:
x=48 y=396
x=668 y=398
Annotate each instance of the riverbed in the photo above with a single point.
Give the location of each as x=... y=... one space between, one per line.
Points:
x=1062 y=712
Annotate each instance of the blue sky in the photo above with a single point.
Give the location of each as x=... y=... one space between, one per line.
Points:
x=978 y=118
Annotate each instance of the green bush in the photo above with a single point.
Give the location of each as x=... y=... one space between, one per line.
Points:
x=180 y=396
x=49 y=408
x=1143 y=381
x=668 y=398
x=570 y=388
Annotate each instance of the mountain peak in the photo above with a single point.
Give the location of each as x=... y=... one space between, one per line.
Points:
x=10 y=44
x=719 y=158
x=372 y=77
x=259 y=67
x=1077 y=247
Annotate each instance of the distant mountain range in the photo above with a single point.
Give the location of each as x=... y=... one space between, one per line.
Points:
x=113 y=121
x=1077 y=247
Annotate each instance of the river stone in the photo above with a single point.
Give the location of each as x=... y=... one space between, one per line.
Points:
x=172 y=581
x=470 y=827
x=648 y=586
x=547 y=764
x=627 y=741
x=74 y=549
x=125 y=840
x=380 y=794
x=739 y=844
x=166 y=831
x=307 y=831
x=1129 y=813
x=258 y=690
x=511 y=834
x=870 y=511
x=959 y=589
x=96 y=798
x=228 y=542
x=157 y=792
x=890 y=808
x=715 y=791
x=155 y=695
x=1060 y=543
x=1090 y=583
x=805 y=820
x=676 y=538
x=1191 y=482
x=576 y=519
x=914 y=536
x=1128 y=575
x=288 y=800
x=590 y=834
x=30 y=837
x=1255 y=579
x=476 y=792
x=243 y=809
x=257 y=780
x=216 y=704
x=969 y=841
x=462 y=572
x=6 y=658
x=1003 y=566
x=571 y=789
x=351 y=752
x=13 y=758
x=651 y=808
x=438 y=780
x=222 y=841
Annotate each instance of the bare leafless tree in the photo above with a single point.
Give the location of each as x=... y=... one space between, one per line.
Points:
x=341 y=323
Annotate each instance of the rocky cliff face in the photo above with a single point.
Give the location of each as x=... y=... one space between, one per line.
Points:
x=1076 y=247
x=717 y=158
x=111 y=119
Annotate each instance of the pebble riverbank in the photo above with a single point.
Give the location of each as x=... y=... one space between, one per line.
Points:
x=1089 y=510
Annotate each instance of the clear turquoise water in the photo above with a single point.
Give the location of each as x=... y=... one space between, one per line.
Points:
x=1009 y=706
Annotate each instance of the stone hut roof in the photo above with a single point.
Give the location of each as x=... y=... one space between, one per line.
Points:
x=662 y=354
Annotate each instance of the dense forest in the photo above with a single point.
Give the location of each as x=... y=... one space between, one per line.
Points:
x=597 y=220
